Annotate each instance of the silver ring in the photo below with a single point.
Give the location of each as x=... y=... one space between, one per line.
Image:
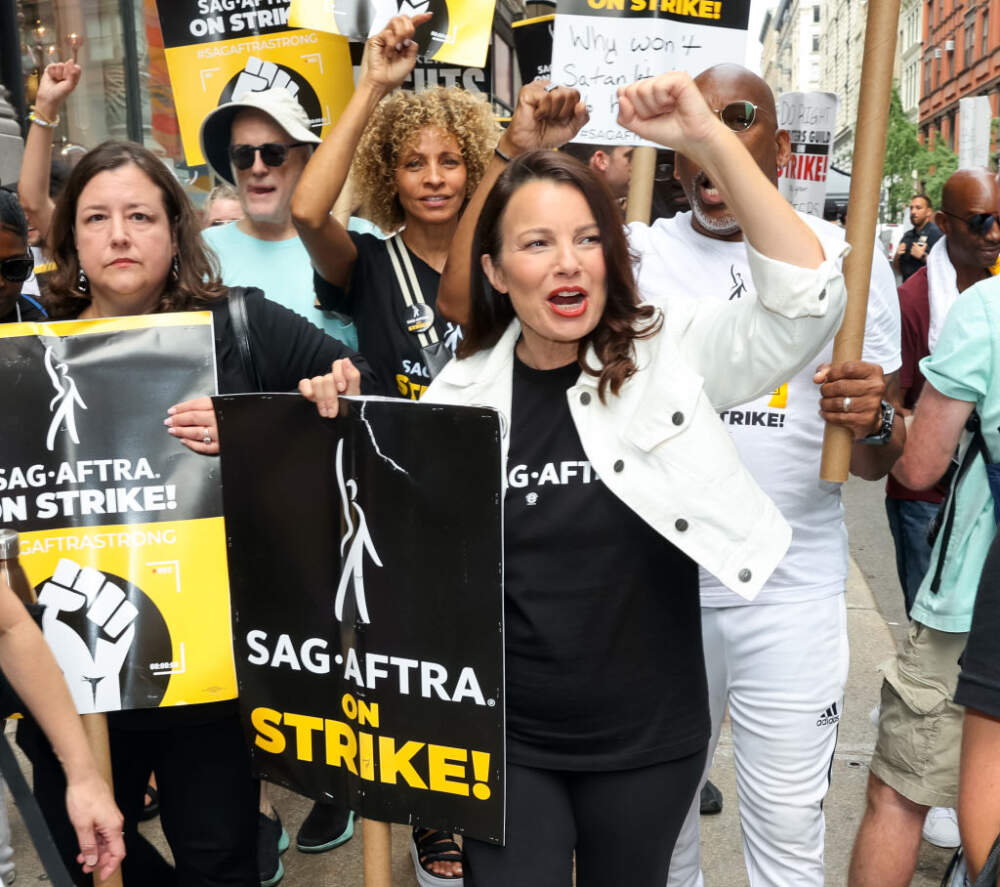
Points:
x=207 y=438
x=551 y=86
x=847 y=405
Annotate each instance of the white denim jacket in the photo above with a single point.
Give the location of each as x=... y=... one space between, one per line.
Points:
x=659 y=445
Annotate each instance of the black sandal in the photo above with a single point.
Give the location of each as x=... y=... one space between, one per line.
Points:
x=431 y=845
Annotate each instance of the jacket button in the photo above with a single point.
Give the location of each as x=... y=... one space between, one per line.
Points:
x=619 y=466
x=822 y=294
x=680 y=525
x=585 y=398
x=745 y=575
x=677 y=418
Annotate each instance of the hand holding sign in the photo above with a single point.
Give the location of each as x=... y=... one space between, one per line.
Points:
x=194 y=424
x=324 y=391
x=669 y=110
x=391 y=54
x=93 y=678
x=543 y=118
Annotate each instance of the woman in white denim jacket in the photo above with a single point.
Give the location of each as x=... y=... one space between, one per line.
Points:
x=621 y=477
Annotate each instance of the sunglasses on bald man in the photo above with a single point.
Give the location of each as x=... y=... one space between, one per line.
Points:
x=980 y=223
x=738 y=116
x=16 y=269
x=272 y=153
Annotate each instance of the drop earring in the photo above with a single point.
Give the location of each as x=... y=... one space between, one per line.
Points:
x=82 y=283
x=175 y=269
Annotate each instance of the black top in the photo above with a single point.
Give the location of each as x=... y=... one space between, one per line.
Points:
x=979 y=680
x=286 y=348
x=929 y=234
x=30 y=310
x=375 y=302
x=602 y=623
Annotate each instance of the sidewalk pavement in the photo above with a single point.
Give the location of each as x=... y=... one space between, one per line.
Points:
x=871 y=644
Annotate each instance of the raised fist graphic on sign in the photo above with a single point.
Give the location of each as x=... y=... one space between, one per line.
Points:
x=258 y=75
x=91 y=671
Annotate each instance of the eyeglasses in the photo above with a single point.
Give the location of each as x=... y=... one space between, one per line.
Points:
x=738 y=116
x=980 y=223
x=17 y=269
x=272 y=153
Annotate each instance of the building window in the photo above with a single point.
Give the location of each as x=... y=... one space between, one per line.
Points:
x=815 y=42
x=930 y=15
x=816 y=14
x=970 y=42
x=928 y=67
x=984 y=39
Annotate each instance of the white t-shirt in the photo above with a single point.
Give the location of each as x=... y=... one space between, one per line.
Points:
x=780 y=436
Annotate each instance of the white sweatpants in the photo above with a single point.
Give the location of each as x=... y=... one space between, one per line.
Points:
x=782 y=669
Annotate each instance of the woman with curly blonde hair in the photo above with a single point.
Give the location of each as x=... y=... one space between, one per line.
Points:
x=416 y=158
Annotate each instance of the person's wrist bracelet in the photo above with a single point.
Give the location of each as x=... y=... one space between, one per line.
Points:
x=501 y=155
x=36 y=117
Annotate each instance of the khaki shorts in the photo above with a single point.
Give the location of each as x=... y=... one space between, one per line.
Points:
x=919 y=726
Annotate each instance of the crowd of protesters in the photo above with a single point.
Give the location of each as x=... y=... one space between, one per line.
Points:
x=420 y=251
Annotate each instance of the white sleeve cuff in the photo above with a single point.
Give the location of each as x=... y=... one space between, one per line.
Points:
x=793 y=291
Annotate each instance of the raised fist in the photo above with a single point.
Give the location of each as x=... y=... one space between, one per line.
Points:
x=93 y=678
x=258 y=75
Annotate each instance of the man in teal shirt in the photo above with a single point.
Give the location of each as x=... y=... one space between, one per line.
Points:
x=915 y=765
x=260 y=143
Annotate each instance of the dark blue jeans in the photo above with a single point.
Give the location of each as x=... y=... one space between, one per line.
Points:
x=908 y=523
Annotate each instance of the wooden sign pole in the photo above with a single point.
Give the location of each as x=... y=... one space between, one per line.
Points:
x=378 y=853
x=640 y=186
x=96 y=729
x=866 y=185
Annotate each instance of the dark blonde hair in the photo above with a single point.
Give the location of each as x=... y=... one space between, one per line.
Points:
x=624 y=319
x=197 y=280
x=396 y=122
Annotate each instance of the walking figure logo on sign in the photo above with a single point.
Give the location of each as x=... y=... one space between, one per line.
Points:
x=356 y=541
x=63 y=405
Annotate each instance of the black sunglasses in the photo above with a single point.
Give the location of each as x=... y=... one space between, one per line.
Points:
x=272 y=153
x=738 y=116
x=980 y=223
x=17 y=269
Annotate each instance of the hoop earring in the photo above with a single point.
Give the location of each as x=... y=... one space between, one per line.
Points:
x=82 y=283
x=175 y=269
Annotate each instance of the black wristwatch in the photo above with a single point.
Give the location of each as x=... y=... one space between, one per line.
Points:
x=884 y=434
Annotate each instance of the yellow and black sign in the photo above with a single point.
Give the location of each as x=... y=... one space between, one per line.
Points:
x=216 y=49
x=458 y=32
x=121 y=525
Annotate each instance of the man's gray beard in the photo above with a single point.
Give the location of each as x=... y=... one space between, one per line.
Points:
x=721 y=226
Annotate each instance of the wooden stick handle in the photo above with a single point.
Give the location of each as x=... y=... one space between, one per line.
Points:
x=96 y=728
x=378 y=853
x=866 y=183
x=640 y=186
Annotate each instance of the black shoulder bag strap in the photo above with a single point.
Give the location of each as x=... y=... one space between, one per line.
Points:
x=241 y=332
x=32 y=816
x=976 y=446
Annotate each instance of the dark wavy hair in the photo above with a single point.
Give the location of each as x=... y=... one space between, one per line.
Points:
x=197 y=280
x=624 y=318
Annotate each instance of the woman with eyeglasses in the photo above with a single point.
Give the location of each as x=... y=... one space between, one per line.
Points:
x=127 y=241
x=416 y=159
x=16 y=263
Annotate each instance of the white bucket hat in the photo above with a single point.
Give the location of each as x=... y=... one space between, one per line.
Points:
x=278 y=103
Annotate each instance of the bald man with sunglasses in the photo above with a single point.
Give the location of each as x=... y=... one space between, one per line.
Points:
x=780 y=663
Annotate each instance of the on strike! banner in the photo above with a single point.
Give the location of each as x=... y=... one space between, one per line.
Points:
x=366 y=565
x=121 y=525
x=600 y=45
x=458 y=32
x=219 y=50
x=810 y=118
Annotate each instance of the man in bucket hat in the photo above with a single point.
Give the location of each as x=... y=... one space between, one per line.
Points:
x=260 y=143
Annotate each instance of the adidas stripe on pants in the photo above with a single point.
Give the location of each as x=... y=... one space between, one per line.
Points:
x=782 y=669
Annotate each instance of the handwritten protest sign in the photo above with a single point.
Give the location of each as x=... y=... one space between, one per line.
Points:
x=810 y=118
x=458 y=32
x=216 y=53
x=600 y=45
x=121 y=526
x=366 y=568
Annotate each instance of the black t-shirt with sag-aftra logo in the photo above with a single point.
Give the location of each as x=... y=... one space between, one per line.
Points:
x=604 y=666
x=387 y=327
